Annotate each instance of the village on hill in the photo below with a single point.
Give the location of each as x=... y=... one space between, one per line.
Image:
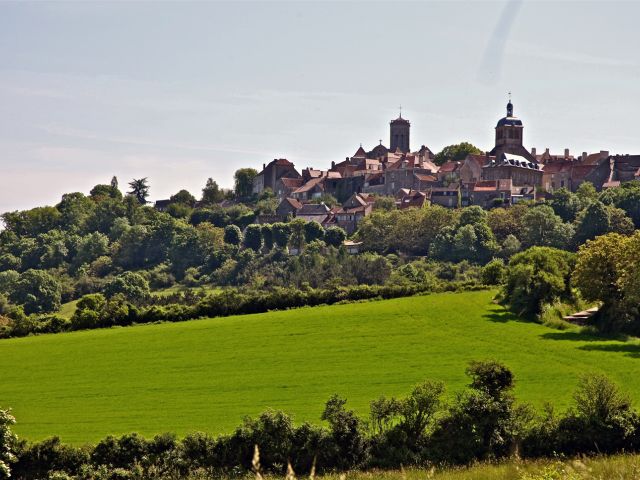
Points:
x=507 y=174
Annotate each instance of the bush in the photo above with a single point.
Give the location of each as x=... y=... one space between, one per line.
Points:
x=131 y=285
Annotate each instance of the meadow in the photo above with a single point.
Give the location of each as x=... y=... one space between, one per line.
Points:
x=207 y=374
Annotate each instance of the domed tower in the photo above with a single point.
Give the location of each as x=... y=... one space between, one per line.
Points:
x=509 y=135
x=399 y=133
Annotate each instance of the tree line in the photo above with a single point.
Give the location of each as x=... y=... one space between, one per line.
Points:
x=484 y=422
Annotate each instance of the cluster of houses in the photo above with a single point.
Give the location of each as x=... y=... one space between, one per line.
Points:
x=505 y=175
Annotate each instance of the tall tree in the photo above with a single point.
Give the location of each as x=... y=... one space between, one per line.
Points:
x=140 y=189
x=211 y=193
x=244 y=182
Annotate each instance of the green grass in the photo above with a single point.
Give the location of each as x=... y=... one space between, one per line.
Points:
x=618 y=467
x=68 y=309
x=207 y=374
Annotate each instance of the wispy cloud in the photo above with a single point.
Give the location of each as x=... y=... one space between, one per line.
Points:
x=142 y=142
x=491 y=67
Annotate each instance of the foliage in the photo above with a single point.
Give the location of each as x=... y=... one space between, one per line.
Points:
x=38 y=291
x=253 y=237
x=139 y=189
x=7 y=443
x=133 y=286
x=211 y=193
x=232 y=235
x=537 y=276
x=244 y=182
x=456 y=153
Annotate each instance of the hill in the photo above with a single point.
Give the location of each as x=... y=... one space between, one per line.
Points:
x=207 y=374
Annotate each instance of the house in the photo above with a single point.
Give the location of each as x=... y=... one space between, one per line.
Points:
x=411 y=199
x=161 y=205
x=352 y=247
x=314 y=188
x=353 y=211
x=288 y=207
x=449 y=172
x=314 y=212
x=285 y=186
x=471 y=169
x=449 y=196
x=272 y=172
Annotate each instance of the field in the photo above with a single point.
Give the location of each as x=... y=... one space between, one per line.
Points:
x=207 y=374
x=618 y=467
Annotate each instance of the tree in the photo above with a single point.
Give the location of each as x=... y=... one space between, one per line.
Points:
x=565 y=204
x=253 y=237
x=542 y=227
x=244 y=182
x=38 y=291
x=591 y=222
x=8 y=442
x=607 y=271
x=267 y=236
x=386 y=203
x=313 y=231
x=536 y=277
x=281 y=234
x=211 y=193
x=232 y=235
x=456 y=153
x=335 y=236
x=183 y=197
x=139 y=189
x=132 y=285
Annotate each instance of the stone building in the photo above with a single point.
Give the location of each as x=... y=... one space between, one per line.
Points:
x=518 y=169
x=272 y=172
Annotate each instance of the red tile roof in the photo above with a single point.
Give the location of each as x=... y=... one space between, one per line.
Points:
x=449 y=167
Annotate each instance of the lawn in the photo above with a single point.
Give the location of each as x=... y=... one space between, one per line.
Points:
x=207 y=374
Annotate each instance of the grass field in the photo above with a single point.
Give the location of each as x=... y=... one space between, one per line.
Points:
x=207 y=374
x=617 y=467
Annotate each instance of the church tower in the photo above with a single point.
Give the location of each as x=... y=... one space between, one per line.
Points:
x=509 y=132
x=399 y=133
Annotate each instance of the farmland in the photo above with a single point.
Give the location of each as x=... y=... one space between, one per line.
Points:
x=207 y=374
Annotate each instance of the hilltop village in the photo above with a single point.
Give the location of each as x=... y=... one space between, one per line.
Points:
x=507 y=174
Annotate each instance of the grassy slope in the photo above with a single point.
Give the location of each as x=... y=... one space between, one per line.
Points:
x=207 y=374
x=618 y=467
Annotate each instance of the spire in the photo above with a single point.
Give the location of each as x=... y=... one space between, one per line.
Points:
x=509 y=107
x=400 y=112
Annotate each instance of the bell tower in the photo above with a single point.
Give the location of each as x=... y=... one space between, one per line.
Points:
x=399 y=134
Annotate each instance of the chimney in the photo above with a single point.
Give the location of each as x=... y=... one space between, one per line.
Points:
x=264 y=165
x=584 y=156
x=604 y=153
x=333 y=164
x=566 y=153
x=546 y=150
x=533 y=151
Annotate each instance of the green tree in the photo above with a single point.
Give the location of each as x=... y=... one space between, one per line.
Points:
x=456 y=153
x=281 y=234
x=591 y=222
x=38 y=291
x=8 y=443
x=386 y=203
x=335 y=236
x=267 y=236
x=542 y=227
x=232 y=235
x=183 y=197
x=244 y=182
x=211 y=193
x=565 y=204
x=139 y=189
x=253 y=238
x=132 y=285
x=537 y=276
x=313 y=231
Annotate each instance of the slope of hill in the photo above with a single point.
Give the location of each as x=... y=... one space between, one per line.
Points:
x=207 y=374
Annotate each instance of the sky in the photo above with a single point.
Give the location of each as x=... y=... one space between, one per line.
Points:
x=182 y=91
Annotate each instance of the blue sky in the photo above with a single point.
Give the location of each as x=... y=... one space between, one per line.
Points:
x=179 y=92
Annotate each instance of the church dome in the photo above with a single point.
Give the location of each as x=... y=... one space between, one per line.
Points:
x=509 y=120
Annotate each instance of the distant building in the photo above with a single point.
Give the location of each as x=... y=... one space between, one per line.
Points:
x=520 y=170
x=272 y=172
x=399 y=134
